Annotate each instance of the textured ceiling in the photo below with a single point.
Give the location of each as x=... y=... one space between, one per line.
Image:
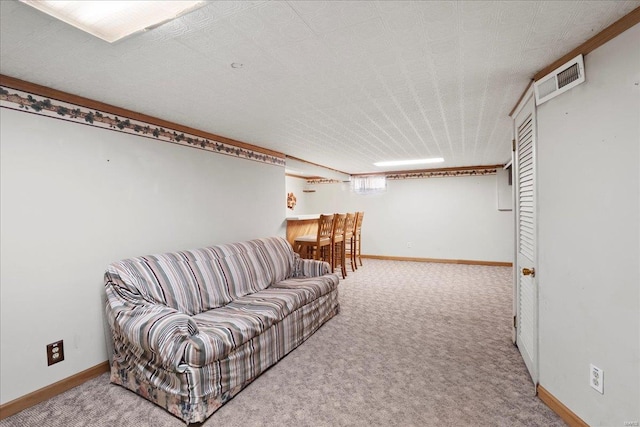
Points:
x=338 y=83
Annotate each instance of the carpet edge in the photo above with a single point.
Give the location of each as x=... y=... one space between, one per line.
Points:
x=21 y=403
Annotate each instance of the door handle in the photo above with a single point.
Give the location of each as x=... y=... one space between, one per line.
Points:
x=529 y=272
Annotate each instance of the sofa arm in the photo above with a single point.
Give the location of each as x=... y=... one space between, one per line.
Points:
x=310 y=267
x=148 y=327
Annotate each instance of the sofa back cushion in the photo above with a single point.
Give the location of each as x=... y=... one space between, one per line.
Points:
x=243 y=271
x=212 y=283
x=165 y=279
x=242 y=268
x=198 y=280
x=279 y=257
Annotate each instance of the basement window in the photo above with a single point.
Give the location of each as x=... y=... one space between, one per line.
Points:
x=369 y=184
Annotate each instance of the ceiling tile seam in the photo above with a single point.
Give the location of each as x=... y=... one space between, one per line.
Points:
x=292 y=7
x=420 y=104
x=357 y=137
x=522 y=49
x=490 y=140
x=484 y=101
x=407 y=81
x=376 y=125
x=364 y=115
x=317 y=112
x=357 y=22
x=312 y=116
x=566 y=29
x=461 y=92
x=386 y=116
x=326 y=136
x=267 y=52
x=389 y=92
x=436 y=86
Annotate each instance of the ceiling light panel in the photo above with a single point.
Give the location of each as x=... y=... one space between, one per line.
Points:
x=114 y=20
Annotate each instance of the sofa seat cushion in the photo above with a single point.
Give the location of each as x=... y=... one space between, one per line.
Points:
x=223 y=329
x=277 y=302
x=314 y=287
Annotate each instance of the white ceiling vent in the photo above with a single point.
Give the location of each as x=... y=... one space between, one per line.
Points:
x=560 y=80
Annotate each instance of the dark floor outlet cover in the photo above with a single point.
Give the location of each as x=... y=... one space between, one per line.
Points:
x=55 y=352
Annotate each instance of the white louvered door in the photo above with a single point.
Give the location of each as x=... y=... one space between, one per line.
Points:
x=526 y=283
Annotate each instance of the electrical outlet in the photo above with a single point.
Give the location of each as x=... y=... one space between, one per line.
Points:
x=55 y=352
x=596 y=379
x=409 y=245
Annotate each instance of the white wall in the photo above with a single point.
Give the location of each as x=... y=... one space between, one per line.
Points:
x=589 y=236
x=504 y=191
x=444 y=218
x=75 y=198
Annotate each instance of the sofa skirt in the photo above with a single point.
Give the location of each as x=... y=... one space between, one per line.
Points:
x=194 y=393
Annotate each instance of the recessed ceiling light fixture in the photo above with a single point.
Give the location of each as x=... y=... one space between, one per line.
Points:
x=409 y=162
x=114 y=20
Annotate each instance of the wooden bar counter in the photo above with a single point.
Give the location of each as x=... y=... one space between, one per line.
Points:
x=301 y=225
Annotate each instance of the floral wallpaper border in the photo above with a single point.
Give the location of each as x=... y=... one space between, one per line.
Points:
x=443 y=174
x=476 y=171
x=27 y=102
x=323 y=181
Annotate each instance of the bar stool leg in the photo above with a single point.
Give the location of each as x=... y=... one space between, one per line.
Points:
x=352 y=253
x=343 y=258
x=339 y=256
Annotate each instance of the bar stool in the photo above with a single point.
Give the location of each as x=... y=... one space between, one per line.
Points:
x=349 y=243
x=338 y=244
x=357 y=236
x=318 y=246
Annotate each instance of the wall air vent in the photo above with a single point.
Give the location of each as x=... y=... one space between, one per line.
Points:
x=560 y=80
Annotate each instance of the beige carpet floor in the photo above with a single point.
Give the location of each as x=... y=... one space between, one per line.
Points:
x=415 y=344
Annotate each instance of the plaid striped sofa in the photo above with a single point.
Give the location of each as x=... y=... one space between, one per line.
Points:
x=191 y=329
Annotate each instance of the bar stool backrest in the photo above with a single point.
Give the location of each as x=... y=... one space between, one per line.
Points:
x=338 y=227
x=357 y=237
x=359 y=216
x=325 y=229
x=349 y=226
